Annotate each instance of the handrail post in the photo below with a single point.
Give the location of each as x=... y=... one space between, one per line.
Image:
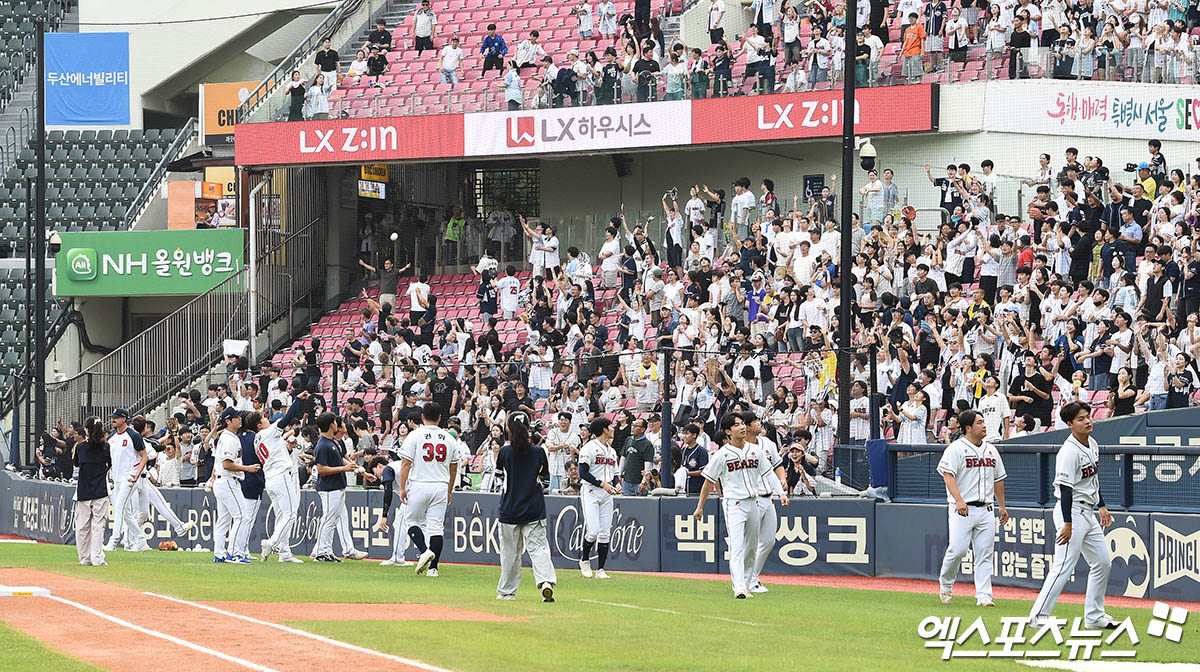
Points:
x=1126 y=480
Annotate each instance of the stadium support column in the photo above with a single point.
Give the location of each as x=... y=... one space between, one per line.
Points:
x=847 y=196
x=39 y=245
x=252 y=278
x=665 y=476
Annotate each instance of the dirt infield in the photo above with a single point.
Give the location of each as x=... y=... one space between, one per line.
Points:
x=920 y=586
x=126 y=628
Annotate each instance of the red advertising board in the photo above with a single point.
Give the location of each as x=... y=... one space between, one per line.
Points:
x=813 y=114
x=785 y=116
x=349 y=140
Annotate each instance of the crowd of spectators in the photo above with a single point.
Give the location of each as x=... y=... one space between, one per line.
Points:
x=1091 y=292
x=789 y=46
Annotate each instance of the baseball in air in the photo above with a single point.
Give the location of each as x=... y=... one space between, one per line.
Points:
x=395 y=236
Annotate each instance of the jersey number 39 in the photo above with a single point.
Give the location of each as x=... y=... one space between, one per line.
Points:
x=434 y=453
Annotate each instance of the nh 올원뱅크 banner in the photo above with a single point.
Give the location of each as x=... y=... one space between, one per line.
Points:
x=1093 y=109
x=87 y=79
x=146 y=263
x=602 y=128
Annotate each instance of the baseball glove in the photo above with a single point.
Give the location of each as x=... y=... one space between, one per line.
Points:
x=168 y=546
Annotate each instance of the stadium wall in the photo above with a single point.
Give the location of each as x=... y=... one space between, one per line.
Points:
x=1154 y=555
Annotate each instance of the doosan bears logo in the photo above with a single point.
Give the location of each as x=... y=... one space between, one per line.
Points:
x=521 y=131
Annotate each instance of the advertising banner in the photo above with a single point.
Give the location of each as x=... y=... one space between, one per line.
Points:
x=128 y=263
x=605 y=128
x=218 y=110
x=1093 y=109
x=1175 y=556
x=813 y=114
x=579 y=129
x=350 y=140
x=819 y=536
x=87 y=79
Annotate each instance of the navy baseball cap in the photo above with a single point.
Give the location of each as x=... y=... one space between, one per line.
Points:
x=230 y=413
x=120 y=413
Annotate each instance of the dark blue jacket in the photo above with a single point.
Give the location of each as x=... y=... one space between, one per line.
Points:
x=253 y=483
x=522 y=500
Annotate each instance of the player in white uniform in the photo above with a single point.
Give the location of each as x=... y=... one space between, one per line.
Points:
x=1080 y=529
x=430 y=455
x=771 y=482
x=387 y=471
x=282 y=482
x=597 y=471
x=973 y=472
x=128 y=460
x=739 y=467
x=148 y=494
x=226 y=486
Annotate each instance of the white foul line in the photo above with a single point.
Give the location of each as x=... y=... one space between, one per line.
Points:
x=302 y=633
x=160 y=635
x=670 y=611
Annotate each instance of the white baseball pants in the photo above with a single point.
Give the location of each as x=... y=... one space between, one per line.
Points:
x=343 y=529
x=768 y=526
x=427 y=509
x=1087 y=537
x=90 y=519
x=151 y=497
x=241 y=542
x=123 y=514
x=597 y=514
x=515 y=540
x=333 y=505
x=229 y=515
x=741 y=519
x=399 y=533
x=977 y=529
x=284 y=492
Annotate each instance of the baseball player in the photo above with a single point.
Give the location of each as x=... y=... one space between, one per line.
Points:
x=343 y=527
x=331 y=468
x=252 y=485
x=598 y=472
x=385 y=470
x=771 y=482
x=430 y=464
x=148 y=494
x=973 y=472
x=128 y=461
x=227 y=488
x=1080 y=530
x=739 y=467
x=282 y=484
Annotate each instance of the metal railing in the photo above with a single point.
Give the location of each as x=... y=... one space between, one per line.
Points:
x=1132 y=478
x=185 y=344
x=337 y=25
x=142 y=201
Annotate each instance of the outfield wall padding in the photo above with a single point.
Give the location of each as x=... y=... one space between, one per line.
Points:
x=1154 y=555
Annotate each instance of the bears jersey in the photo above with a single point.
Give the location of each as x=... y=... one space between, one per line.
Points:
x=739 y=470
x=272 y=451
x=601 y=460
x=1078 y=467
x=975 y=469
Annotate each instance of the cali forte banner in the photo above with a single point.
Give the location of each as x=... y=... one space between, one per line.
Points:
x=605 y=128
x=87 y=79
x=1093 y=109
x=140 y=263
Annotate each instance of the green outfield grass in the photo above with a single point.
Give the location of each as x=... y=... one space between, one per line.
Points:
x=790 y=628
x=22 y=652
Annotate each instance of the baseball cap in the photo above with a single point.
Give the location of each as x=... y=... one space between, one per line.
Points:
x=656 y=271
x=120 y=413
x=1143 y=166
x=229 y=413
